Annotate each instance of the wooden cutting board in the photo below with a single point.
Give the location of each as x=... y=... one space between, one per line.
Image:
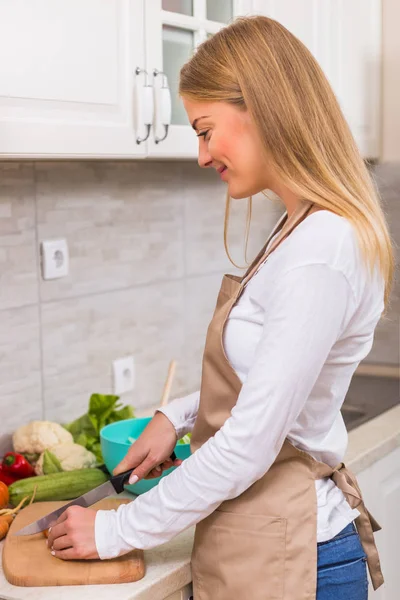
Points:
x=27 y=560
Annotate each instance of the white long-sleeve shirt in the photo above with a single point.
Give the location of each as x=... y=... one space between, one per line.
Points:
x=295 y=337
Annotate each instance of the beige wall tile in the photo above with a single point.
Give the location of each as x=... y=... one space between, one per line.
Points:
x=387 y=177
x=18 y=258
x=20 y=368
x=204 y=220
x=200 y=300
x=386 y=346
x=123 y=223
x=82 y=336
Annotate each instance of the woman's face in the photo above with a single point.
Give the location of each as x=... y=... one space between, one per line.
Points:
x=229 y=143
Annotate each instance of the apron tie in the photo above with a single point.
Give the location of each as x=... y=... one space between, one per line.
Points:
x=366 y=524
x=345 y=482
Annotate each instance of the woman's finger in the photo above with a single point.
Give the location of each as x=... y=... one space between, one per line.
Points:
x=57 y=531
x=61 y=543
x=152 y=475
x=136 y=454
x=68 y=554
x=143 y=469
x=156 y=472
x=167 y=464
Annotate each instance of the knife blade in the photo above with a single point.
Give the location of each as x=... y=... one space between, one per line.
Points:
x=114 y=485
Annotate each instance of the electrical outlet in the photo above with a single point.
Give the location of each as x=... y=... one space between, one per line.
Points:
x=124 y=375
x=55 y=259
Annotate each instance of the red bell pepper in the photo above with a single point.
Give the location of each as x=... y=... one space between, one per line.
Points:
x=15 y=464
x=7 y=478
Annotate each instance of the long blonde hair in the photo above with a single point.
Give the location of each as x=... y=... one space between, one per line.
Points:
x=256 y=64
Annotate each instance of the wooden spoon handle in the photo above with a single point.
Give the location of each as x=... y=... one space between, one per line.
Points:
x=168 y=383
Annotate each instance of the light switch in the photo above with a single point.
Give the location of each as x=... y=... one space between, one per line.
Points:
x=55 y=259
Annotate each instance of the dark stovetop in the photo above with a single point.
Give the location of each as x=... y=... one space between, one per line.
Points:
x=369 y=397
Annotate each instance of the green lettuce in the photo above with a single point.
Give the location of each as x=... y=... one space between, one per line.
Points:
x=103 y=410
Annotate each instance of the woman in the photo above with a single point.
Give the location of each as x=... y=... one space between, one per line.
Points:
x=273 y=505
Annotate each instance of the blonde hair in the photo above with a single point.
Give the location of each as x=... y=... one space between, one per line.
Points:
x=258 y=65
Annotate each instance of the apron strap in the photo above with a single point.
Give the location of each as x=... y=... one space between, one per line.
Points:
x=276 y=228
x=285 y=226
x=366 y=524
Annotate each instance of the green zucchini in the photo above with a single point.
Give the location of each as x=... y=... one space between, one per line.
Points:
x=56 y=486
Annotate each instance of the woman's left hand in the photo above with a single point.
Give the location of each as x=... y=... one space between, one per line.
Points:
x=72 y=536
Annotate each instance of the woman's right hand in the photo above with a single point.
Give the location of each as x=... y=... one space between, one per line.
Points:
x=150 y=454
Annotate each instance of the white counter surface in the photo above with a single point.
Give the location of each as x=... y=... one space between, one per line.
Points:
x=168 y=566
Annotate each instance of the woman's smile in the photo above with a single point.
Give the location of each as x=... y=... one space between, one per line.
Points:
x=223 y=172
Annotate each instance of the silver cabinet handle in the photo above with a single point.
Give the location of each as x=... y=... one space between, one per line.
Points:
x=165 y=105
x=145 y=105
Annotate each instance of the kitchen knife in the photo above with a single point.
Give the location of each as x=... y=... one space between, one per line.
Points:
x=114 y=485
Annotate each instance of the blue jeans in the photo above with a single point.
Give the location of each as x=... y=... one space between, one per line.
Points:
x=342 y=568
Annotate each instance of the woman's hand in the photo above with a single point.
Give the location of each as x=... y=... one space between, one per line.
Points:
x=72 y=536
x=150 y=455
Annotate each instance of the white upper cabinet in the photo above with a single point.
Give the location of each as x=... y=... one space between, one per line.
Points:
x=99 y=78
x=68 y=86
x=345 y=38
x=356 y=33
x=173 y=30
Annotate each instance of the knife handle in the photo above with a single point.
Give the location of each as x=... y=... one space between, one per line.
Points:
x=118 y=481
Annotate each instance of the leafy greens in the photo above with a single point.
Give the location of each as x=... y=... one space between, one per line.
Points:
x=103 y=410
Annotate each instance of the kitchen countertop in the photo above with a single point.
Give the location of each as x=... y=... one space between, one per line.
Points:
x=168 y=566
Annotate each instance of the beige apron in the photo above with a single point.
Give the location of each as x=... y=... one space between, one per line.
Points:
x=262 y=545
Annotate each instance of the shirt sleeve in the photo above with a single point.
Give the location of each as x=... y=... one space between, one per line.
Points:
x=307 y=312
x=182 y=413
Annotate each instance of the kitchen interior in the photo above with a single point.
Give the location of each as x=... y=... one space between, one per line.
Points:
x=111 y=236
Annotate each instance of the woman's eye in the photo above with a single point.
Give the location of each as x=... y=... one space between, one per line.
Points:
x=204 y=135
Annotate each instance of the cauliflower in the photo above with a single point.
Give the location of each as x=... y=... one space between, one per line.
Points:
x=38 y=436
x=65 y=457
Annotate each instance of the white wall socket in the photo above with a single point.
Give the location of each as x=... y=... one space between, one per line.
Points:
x=124 y=375
x=55 y=259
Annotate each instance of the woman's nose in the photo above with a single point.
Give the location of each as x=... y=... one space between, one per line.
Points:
x=205 y=159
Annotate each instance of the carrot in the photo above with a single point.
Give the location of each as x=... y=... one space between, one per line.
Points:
x=4 y=495
x=4 y=527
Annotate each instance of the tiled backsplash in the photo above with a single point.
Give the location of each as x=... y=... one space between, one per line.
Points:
x=146 y=260
x=386 y=348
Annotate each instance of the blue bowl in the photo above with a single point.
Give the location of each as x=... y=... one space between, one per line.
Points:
x=115 y=445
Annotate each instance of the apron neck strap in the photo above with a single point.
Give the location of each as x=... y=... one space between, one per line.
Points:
x=285 y=225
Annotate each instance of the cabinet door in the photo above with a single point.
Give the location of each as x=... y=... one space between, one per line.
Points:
x=380 y=486
x=301 y=17
x=173 y=30
x=356 y=35
x=67 y=78
x=345 y=39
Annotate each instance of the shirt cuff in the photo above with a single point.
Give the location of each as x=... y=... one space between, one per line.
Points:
x=104 y=527
x=108 y=539
x=182 y=413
